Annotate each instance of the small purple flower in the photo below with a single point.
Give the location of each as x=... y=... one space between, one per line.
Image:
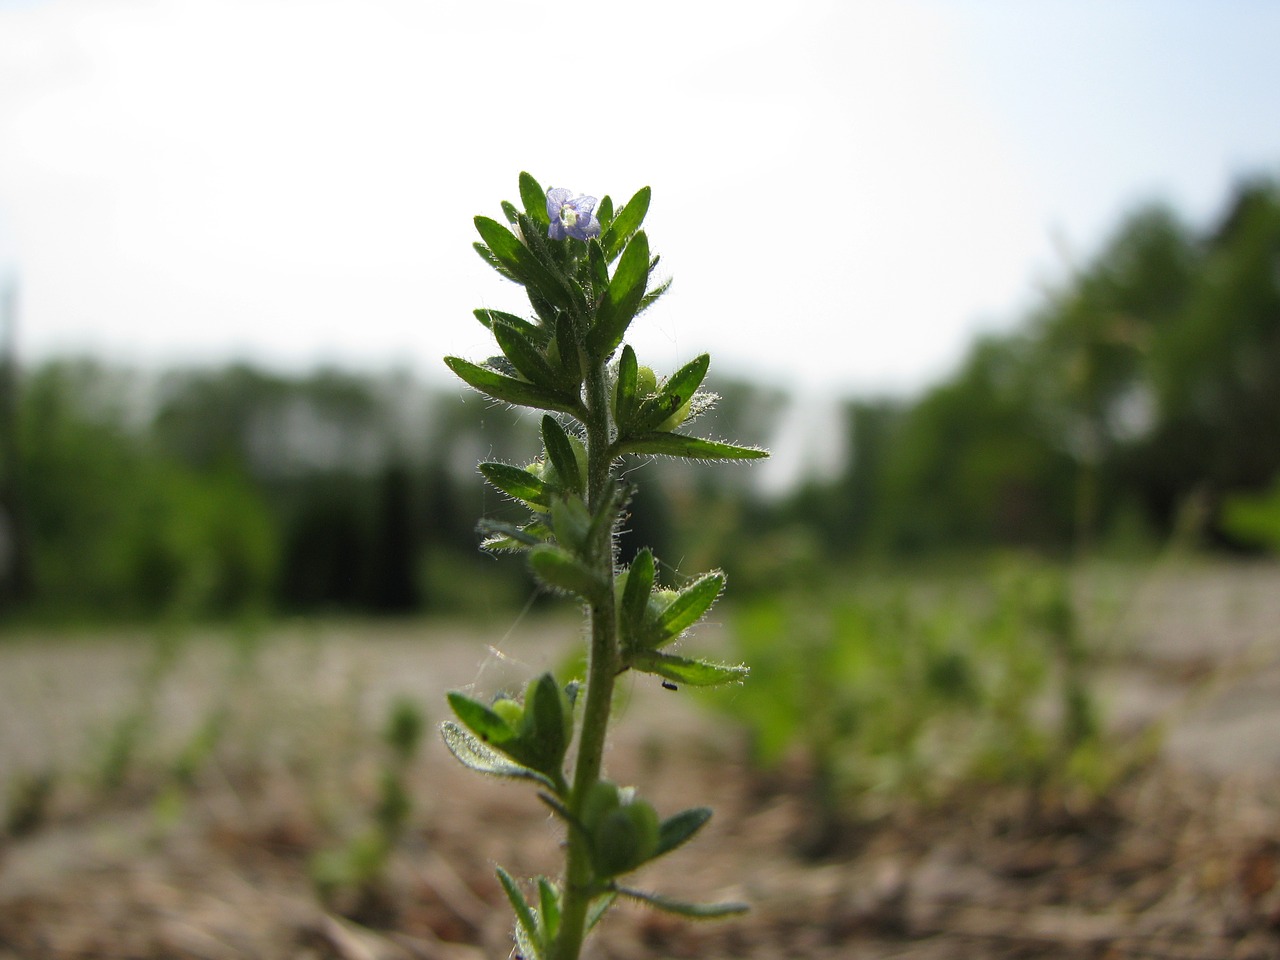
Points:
x=571 y=216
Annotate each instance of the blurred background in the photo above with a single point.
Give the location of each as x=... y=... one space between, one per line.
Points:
x=997 y=282
x=981 y=274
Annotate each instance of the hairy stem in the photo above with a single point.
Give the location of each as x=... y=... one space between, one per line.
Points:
x=602 y=668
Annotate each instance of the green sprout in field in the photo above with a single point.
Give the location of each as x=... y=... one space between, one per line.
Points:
x=587 y=270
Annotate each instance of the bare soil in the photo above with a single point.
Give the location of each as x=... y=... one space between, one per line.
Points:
x=130 y=860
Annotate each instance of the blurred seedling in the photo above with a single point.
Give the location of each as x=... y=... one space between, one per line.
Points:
x=351 y=878
x=890 y=699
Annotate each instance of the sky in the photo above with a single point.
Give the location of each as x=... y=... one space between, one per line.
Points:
x=844 y=193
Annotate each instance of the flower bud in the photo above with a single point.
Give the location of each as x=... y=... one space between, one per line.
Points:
x=625 y=838
x=677 y=418
x=510 y=711
x=646 y=382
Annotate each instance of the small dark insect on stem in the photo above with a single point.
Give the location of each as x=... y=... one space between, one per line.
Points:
x=668 y=685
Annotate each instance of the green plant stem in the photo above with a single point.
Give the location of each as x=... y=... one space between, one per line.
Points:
x=602 y=669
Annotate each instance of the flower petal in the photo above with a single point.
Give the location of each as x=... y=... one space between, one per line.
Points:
x=557 y=197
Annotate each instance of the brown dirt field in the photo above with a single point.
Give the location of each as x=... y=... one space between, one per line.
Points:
x=1181 y=860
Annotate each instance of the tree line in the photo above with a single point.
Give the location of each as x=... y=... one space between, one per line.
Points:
x=1137 y=400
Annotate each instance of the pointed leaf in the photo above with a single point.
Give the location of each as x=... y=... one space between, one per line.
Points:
x=696 y=673
x=487 y=256
x=692 y=448
x=484 y=722
x=548 y=256
x=504 y=246
x=626 y=223
x=635 y=595
x=521 y=264
x=526 y=948
x=570 y=358
x=548 y=908
x=501 y=536
x=620 y=303
x=675 y=393
x=509 y=389
x=624 y=392
x=572 y=523
x=599 y=908
x=695 y=911
x=534 y=199
x=471 y=752
x=524 y=916
x=679 y=829
x=546 y=720
x=689 y=605
x=654 y=293
x=559 y=570
x=598 y=264
x=509 y=211
x=516 y=482
x=560 y=452
x=534 y=332
x=524 y=355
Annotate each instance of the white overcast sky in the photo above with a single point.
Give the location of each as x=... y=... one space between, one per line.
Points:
x=844 y=192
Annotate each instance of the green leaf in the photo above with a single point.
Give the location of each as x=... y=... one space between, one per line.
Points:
x=516 y=482
x=620 y=303
x=599 y=908
x=624 y=838
x=535 y=333
x=572 y=523
x=510 y=390
x=548 y=726
x=626 y=223
x=560 y=452
x=604 y=211
x=487 y=256
x=695 y=911
x=548 y=908
x=509 y=211
x=689 y=605
x=534 y=199
x=678 y=830
x=548 y=256
x=484 y=722
x=695 y=673
x=624 y=393
x=675 y=393
x=544 y=308
x=524 y=916
x=471 y=752
x=525 y=355
x=504 y=246
x=525 y=946
x=561 y=571
x=692 y=448
x=654 y=292
x=570 y=359
x=635 y=595
x=501 y=537
x=599 y=266
x=521 y=264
